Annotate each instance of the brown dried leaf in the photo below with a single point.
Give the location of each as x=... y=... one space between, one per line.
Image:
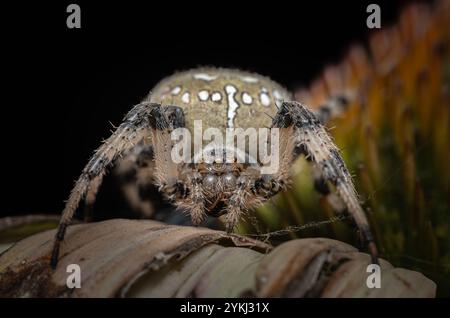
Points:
x=295 y=265
x=131 y=258
x=110 y=254
x=350 y=281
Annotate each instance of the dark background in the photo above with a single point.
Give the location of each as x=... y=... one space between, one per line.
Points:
x=63 y=87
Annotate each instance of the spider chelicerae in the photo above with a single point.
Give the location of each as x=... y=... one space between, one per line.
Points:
x=224 y=99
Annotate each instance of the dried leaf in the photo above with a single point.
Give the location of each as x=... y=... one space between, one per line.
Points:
x=131 y=258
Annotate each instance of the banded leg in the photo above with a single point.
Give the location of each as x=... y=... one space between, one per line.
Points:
x=267 y=185
x=198 y=199
x=322 y=187
x=239 y=203
x=135 y=174
x=137 y=161
x=310 y=135
x=166 y=173
x=91 y=195
x=143 y=119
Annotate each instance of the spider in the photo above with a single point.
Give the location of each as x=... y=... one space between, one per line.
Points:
x=222 y=98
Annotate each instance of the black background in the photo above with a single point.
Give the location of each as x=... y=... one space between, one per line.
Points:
x=63 y=87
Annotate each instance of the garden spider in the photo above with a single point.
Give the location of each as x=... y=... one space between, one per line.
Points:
x=224 y=99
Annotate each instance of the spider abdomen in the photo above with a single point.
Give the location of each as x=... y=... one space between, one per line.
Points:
x=222 y=98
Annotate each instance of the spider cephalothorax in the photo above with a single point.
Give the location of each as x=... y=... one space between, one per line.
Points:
x=224 y=100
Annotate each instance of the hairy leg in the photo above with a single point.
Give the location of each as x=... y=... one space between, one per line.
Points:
x=322 y=187
x=91 y=195
x=267 y=185
x=312 y=138
x=142 y=120
x=135 y=174
x=197 y=199
x=167 y=173
x=240 y=202
x=187 y=195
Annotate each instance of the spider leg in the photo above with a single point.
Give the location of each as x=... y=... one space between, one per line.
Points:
x=239 y=203
x=267 y=185
x=136 y=126
x=198 y=199
x=91 y=195
x=321 y=186
x=166 y=172
x=135 y=174
x=150 y=165
x=188 y=196
x=333 y=107
x=133 y=162
x=310 y=135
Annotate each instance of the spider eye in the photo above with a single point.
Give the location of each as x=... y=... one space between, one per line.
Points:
x=209 y=182
x=229 y=181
